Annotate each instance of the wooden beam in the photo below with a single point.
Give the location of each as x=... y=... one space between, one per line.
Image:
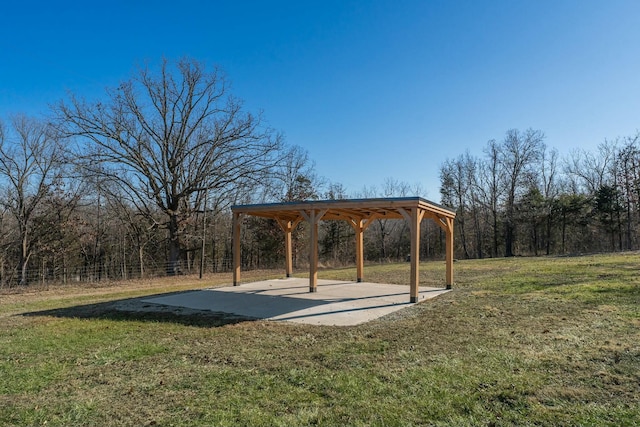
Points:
x=406 y=215
x=306 y=215
x=237 y=223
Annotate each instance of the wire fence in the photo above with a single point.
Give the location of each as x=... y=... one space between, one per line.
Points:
x=51 y=274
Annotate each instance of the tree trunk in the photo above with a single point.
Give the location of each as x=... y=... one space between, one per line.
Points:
x=463 y=235
x=173 y=266
x=548 y=233
x=214 y=255
x=620 y=227
x=509 y=225
x=383 y=247
x=495 y=233
x=478 y=233
x=23 y=260
x=141 y=259
x=508 y=238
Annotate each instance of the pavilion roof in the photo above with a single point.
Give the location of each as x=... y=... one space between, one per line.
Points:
x=346 y=209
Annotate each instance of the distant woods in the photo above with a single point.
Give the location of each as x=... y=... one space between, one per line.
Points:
x=139 y=183
x=521 y=198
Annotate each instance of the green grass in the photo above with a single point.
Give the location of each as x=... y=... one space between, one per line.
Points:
x=522 y=341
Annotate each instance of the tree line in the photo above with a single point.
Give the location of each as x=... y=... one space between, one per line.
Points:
x=140 y=183
x=521 y=198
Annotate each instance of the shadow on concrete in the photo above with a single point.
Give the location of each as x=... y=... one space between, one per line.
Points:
x=250 y=304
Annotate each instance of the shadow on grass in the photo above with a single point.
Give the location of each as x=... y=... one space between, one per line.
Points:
x=136 y=309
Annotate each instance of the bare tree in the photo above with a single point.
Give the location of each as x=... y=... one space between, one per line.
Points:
x=5 y=243
x=389 y=236
x=456 y=189
x=472 y=167
x=30 y=159
x=629 y=181
x=491 y=190
x=550 y=189
x=295 y=177
x=589 y=170
x=139 y=225
x=337 y=237
x=170 y=137
x=519 y=151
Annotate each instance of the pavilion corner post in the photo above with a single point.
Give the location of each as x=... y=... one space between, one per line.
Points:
x=449 y=252
x=288 y=254
x=414 y=219
x=287 y=227
x=313 y=251
x=313 y=217
x=359 y=253
x=415 y=255
x=313 y=257
x=359 y=225
x=237 y=223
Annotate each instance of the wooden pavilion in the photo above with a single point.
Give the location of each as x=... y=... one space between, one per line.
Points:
x=359 y=213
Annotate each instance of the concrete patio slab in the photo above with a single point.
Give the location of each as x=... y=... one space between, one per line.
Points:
x=335 y=303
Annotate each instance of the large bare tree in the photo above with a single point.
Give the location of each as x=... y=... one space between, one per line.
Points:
x=170 y=137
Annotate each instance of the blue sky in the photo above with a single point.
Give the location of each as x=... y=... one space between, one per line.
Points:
x=372 y=89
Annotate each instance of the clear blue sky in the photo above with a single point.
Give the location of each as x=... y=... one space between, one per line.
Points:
x=372 y=89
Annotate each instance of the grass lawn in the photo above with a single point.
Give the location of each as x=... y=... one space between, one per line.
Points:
x=521 y=341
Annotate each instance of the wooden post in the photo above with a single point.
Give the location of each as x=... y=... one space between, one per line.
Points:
x=359 y=225
x=415 y=255
x=204 y=236
x=313 y=253
x=288 y=252
x=287 y=227
x=414 y=219
x=237 y=222
x=359 y=251
x=449 y=252
x=313 y=217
